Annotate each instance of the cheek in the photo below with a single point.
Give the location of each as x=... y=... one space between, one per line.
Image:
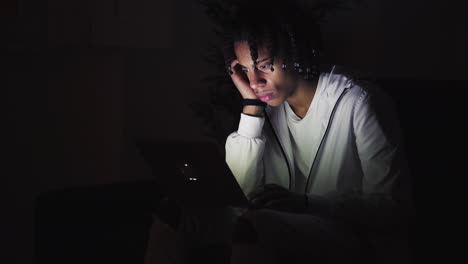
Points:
x=284 y=87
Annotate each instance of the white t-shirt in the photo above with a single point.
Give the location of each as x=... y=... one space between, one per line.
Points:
x=301 y=141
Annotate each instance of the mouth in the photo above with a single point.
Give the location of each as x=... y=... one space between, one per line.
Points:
x=265 y=97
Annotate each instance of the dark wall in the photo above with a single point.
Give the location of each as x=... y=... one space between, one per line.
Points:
x=84 y=76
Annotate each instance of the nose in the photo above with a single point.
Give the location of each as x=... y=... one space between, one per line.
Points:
x=256 y=80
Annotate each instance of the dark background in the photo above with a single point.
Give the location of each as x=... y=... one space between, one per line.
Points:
x=82 y=77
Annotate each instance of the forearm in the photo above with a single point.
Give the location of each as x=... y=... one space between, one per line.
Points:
x=244 y=152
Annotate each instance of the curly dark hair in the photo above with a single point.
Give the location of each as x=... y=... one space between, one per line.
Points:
x=288 y=31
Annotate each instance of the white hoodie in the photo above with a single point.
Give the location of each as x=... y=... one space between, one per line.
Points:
x=358 y=169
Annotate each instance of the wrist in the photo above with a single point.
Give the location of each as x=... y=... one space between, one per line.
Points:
x=253 y=110
x=251 y=126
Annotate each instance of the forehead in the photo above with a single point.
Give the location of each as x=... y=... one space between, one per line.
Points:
x=242 y=51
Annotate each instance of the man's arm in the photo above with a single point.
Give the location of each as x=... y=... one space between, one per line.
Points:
x=244 y=152
x=386 y=195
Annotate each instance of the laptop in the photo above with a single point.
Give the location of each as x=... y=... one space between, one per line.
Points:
x=192 y=173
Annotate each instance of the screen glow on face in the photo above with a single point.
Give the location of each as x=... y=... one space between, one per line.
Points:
x=263 y=65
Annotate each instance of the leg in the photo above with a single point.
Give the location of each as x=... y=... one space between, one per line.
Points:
x=294 y=238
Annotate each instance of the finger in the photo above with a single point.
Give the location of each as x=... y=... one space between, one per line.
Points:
x=240 y=78
x=233 y=65
x=236 y=72
x=241 y=81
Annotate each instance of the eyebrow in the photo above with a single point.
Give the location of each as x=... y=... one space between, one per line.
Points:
x=257 y=62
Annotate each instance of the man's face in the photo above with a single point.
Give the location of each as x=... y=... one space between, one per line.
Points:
x=271 y=87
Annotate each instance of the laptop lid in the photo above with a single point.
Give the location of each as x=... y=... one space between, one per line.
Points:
x=193 y=173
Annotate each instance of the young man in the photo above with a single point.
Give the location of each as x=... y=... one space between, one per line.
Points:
x=319 y=153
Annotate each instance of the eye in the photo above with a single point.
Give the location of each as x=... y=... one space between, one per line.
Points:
x=263 y=66
x=245 y=70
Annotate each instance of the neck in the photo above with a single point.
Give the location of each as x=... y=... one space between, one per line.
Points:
x=301 y=99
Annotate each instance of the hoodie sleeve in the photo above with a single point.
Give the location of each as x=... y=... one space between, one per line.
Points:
x=244 y=152
x=385 y=199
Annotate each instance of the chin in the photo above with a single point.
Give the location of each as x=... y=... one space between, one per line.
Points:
x=275 y=102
